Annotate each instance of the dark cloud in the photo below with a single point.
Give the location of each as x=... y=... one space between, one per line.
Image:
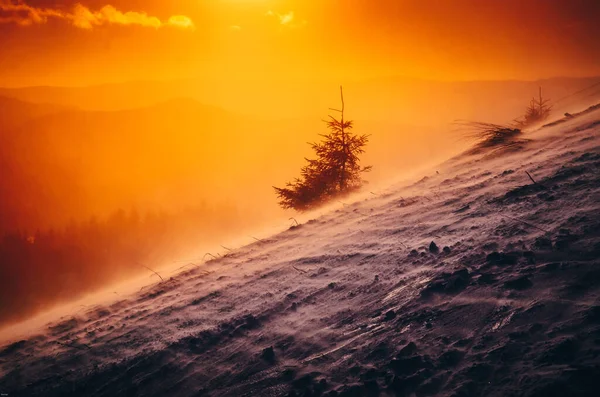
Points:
x=23 y=13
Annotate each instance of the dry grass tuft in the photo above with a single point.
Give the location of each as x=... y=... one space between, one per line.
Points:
x=488 y=135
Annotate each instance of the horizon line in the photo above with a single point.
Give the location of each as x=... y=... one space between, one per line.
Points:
x=354 y=80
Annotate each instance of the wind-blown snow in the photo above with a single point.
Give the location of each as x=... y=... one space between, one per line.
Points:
x=359 y=302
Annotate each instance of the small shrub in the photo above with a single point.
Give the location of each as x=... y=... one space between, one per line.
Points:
x=538 y=111
x=488 y=134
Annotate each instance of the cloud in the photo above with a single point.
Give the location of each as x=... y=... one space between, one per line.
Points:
x=181 y=21
x=25 y=15
x=20 y=13
x=235 y=28
x=288 y=19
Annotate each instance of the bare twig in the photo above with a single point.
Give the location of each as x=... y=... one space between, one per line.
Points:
x=257 y=239
x=530 y=177
x=525 y=222
x=80 y=346
x=204 y=272
x=209 y=254
x=228 y=249
x=184 y=266
x=294 y=219
x=299 y=270
x=161 y=279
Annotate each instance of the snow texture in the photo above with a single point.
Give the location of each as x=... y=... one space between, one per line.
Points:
x=472 y=281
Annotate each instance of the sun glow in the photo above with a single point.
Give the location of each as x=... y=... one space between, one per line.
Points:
x=136 y=132
x=287 y=39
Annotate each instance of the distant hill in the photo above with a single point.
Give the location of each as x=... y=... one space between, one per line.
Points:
x=63 y=160
x=100 y=97
x=59 y=163
x=14 y=112
x=437 y=103
x=19 y=182
x=73 y=163
x=403 y=100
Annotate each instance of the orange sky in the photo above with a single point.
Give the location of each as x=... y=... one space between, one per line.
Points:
x=56 y=42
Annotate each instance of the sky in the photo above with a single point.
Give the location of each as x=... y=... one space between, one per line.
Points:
x=85 y=42
x=262 y=75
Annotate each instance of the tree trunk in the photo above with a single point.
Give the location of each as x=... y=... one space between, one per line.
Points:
x=345 y=150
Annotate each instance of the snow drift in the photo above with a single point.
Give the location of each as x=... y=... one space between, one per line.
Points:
x=474 y=280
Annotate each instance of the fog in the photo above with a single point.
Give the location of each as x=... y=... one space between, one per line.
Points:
x=101 y=183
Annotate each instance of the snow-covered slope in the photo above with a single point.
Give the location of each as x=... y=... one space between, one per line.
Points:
x=359 y=301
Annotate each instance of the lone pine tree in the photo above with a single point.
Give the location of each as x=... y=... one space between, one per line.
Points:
x=335 y=171
x=537 y=111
